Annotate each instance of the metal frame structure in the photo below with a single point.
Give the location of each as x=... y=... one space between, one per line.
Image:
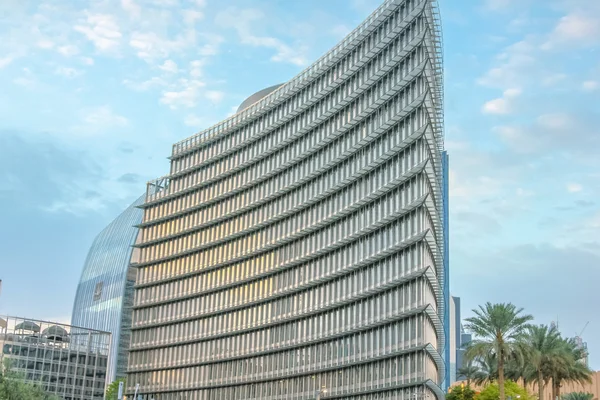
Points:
x=298 y=247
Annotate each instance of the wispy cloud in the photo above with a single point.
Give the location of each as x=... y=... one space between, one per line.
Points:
x=244 y=21
x=577 y=28
x=590 y=86
x=503 y=105
x=4 y=61
x=102 y=30
x=100 y=119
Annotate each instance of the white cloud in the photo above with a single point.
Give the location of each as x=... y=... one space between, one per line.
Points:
x=503 y=105
x=555 y=121
x=215 y=96
x=193 y=121
x=169 y=66
x=571 y=135
x=524 y=192
x=151 y=46
x=496 y=106
x=165 y=3
x=87 y=60
x=191 y=16
x=590 y=86
x=577 y=28
x=104 y=117
x=133 y=9
x=553 y=79
x=211 y=45
x=45 y=44
x=515 y=63
x=5 y=61
x=196 y=68
x=243 y=20
x=102 y=30
x=25 y=82
x=187 y=97
x=574 y=187
x=68 y=50
x=153 y=82
x=67 y=72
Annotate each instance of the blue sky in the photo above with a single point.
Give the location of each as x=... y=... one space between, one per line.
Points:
x=95 y=93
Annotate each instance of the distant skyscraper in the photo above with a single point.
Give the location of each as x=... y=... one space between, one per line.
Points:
x=105 y=293
x=296 y=250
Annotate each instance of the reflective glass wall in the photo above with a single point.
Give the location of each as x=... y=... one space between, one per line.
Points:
x=105 y=292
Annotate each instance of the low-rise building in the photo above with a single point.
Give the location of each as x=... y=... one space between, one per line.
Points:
x=65 y=360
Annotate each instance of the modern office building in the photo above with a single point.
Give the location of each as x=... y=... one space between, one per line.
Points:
x=68 y=361
x=295 y=250
x=105 y=293
x=447 y=354
x=459 y=339
x=465 y=339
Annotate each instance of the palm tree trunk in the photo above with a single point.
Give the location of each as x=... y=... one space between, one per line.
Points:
x=540 y=385
x=501 y=376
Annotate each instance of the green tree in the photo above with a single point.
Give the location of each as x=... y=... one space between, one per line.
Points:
x=519 y=369
x=112 y=391
x=545 y=348
x=488 y=369
x=460 y=393
x=577 y=396
x=14 y=387
x=512 y=390
x=569 y=368
x=469 y=371
x=499 y=330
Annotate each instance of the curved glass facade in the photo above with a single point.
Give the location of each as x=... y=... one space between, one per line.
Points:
x=105 y=293
x=296 y=249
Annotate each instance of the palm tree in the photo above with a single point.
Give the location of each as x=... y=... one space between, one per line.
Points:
x=488 y=369
x=499 y=329
x=577 y=396
x=469 y=371
x=569 y=368
x=545 y=348
x=519 y=369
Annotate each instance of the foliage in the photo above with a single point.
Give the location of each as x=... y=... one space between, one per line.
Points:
x=499 y=330
x=112 y=391
x=508 y=347
x=569 y=369
x=13 y=387
x=577 y=396
x=469 y=372
x=488 y=369
x=545 y=349
x=513 y=392
x=462 y=393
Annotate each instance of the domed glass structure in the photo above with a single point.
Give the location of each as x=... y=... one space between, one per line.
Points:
x=105 y=292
